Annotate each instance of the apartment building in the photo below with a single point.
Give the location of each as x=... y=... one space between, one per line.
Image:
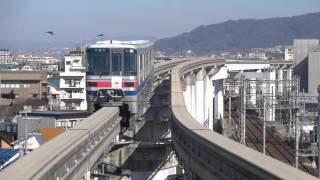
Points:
x=17 y=87
x=5 y=57
x=72 y=83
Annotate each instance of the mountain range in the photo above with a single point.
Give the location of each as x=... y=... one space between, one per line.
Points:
x=243 y=34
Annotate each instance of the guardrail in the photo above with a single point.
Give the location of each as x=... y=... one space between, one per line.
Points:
x=163 y=70
x=210 y=155
x=71 y=154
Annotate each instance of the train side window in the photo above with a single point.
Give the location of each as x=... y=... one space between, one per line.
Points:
x=141 y=68
x=141 y=62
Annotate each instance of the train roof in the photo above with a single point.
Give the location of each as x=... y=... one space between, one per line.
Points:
x=122 y=44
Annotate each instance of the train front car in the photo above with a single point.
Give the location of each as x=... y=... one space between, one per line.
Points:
x=119 y=73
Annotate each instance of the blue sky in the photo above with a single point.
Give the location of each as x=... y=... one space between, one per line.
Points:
x=72 y=20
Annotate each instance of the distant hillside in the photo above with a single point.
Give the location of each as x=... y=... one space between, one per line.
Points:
x=243 y=34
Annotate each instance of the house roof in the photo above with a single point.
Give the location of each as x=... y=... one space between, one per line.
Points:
x=6 y=140
x=6 y=155
x=49 y=133
x=61 y=114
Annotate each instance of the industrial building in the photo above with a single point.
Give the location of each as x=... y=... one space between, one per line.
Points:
x=301 y=50
x=313 y=71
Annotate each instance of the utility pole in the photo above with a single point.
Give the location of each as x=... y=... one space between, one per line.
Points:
x=272 y=108
x=297 y=140
x=0 y=89
x=318 y=131
x=243 y=111
x=25 y=133
x=25 y=118
x=229 y=102
x=264 y=128
x=259 y=101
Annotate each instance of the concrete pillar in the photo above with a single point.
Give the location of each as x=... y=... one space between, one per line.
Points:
x=188 y=93
x=218 y=100
x=209 y=102
x=193 y=98
x=253 y=92
x=206 y=99
x=200 y=96
x=271 y=96
x=280 y=81
x=259 y=89
x=289 y=77
x=289 y=73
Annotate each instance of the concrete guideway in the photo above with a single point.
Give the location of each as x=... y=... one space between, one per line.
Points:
x=209 y=155
x=203 y=152
x=71 y=154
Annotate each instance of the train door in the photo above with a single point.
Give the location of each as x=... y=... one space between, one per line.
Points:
x=116 y=68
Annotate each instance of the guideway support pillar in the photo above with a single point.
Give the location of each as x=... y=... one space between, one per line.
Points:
x=200 y=96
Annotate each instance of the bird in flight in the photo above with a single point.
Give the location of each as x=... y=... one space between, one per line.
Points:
x=100 y=35
x=50 y=32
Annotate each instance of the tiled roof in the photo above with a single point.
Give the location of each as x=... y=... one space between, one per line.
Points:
x=49 y=133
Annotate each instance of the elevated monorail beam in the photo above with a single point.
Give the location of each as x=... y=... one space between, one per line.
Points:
x=209 y=155
x=163 y=69
x=71 y=154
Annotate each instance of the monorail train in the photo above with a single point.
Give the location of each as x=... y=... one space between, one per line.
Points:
x=119 y=73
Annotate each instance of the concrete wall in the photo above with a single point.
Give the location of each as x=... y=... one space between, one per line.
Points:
x=301 y=49
x=313 y=72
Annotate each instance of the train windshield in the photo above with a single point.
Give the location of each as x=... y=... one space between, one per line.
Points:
x=130 y=62
x=104 y=61
x=98 y=61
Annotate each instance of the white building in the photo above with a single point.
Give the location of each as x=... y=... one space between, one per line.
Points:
x=54 y=100
x=257 y=55
x=288 y=54
x=43 y=63
x=5 y=56
x=72 y=83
